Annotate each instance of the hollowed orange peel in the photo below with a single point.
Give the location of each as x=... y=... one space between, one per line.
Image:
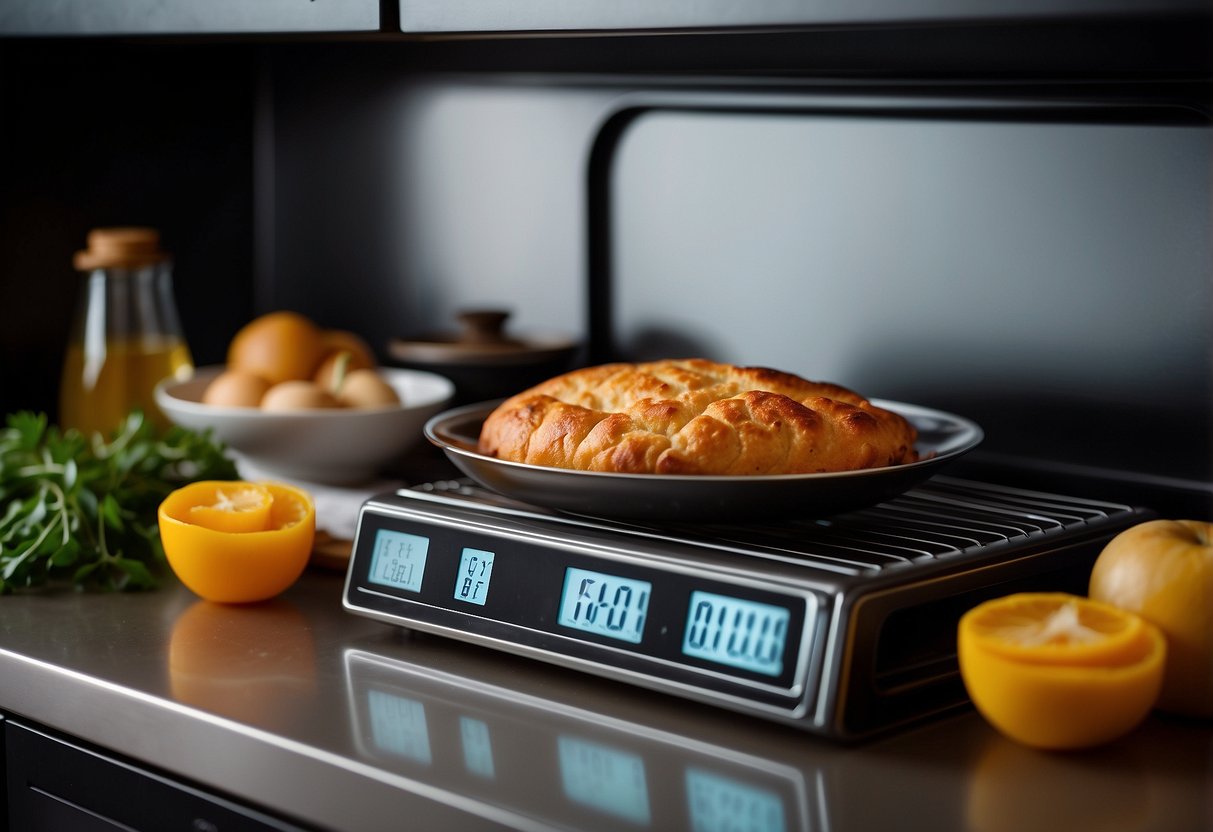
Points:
x=237 y=542
x=1059 y=671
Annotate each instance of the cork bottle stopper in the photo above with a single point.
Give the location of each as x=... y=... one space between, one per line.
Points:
x=120 y=248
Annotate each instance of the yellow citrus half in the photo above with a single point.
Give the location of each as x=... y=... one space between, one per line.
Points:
x=222 y=554
x=1054 y=670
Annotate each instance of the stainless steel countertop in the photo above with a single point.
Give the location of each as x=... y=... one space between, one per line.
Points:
x=349 y=724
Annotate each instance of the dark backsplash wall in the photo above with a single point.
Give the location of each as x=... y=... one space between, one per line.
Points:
x=382 y=187
x=95 y=134
x=1047 y=275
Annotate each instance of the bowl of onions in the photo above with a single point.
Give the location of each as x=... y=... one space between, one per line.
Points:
x=334 y=417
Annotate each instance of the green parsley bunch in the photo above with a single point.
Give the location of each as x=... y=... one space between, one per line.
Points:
x=82 y=509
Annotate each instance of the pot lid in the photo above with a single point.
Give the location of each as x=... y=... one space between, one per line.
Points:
x=481 y=340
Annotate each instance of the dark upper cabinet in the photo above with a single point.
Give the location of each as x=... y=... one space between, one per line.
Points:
x=436 y=17
x=173 y=17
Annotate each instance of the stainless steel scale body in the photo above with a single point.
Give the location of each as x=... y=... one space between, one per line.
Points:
x=854 y=615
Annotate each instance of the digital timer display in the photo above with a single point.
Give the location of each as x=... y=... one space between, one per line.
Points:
x=606 y=605
x=747 y=635
x=475 y=572
x=398 y=560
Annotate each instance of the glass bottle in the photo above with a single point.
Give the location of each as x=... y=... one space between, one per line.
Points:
x=126 y=336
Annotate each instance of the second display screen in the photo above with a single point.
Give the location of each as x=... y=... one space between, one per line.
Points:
x=607 y=605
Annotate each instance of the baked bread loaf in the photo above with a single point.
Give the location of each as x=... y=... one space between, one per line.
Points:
x=694 y=416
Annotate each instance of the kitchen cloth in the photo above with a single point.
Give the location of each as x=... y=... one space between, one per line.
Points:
x=337 y=506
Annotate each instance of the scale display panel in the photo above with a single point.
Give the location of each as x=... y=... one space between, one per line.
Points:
x=592 y=605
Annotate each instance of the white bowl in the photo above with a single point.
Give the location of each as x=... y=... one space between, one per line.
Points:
x=339 y=446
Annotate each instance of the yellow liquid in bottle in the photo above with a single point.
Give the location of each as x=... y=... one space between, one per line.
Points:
x=97 y=392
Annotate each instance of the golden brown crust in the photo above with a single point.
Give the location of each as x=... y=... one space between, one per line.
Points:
x=694 y=416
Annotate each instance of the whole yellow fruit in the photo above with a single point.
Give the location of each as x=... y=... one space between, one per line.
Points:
x=1163 y=571
x=235 y=388
x=290 y=396
x=366 y=388
x=279 y=346
x=337 y=343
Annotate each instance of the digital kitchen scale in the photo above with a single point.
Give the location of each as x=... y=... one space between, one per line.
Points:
x=843 y=626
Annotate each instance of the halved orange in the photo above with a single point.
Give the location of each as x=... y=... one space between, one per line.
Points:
x=221 y=555
x=1054 y=670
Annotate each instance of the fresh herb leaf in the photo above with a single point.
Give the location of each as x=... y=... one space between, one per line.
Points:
x=83 y=509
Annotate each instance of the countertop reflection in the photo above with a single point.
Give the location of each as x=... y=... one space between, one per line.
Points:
x=582 y=754
x=345 y=723
x=251 y=663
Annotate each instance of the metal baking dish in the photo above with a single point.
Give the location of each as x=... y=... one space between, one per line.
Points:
x=942 y=437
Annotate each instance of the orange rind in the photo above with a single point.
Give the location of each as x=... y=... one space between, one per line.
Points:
x=1059 y=671
x=237 y=556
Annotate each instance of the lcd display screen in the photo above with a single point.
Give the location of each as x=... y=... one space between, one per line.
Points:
x=734 y=632
x=606 y=605
x=398 y=560
x=475 y=572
